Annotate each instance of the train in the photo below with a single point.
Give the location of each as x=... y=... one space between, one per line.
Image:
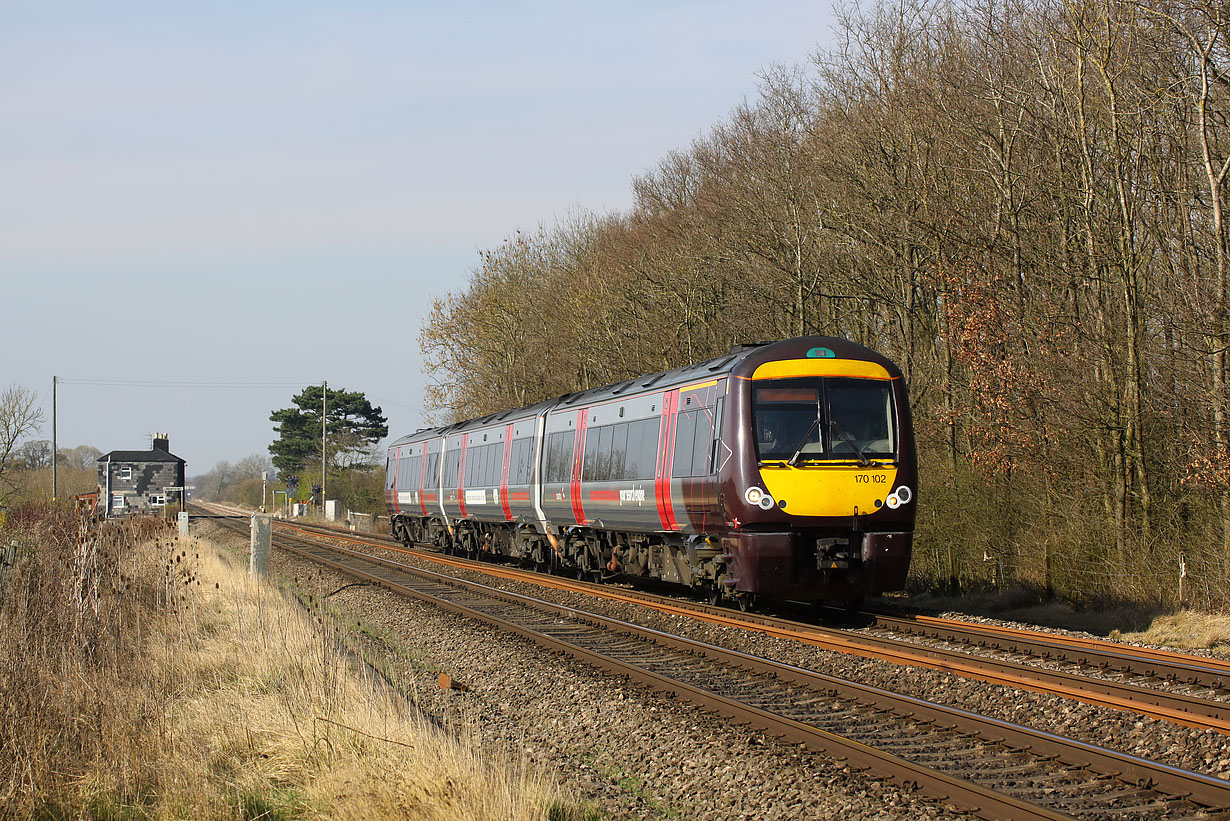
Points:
x=782 y=471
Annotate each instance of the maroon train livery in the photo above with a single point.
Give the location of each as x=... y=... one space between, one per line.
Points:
x=781 y=471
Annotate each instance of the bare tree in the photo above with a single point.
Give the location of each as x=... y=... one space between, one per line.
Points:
x=82 y=457
x=33 y=455
x=19 y=415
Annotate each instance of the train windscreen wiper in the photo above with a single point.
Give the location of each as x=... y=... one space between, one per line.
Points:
x=846 y=437
x=803 y=442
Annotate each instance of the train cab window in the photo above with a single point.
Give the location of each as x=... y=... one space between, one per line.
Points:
x=787 y=420
x=860 y=415
x=800 y=420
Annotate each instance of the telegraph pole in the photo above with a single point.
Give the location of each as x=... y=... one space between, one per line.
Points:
x=55 y=488
x=324 y=408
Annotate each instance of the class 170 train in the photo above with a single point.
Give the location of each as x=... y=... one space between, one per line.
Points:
x=783 y=471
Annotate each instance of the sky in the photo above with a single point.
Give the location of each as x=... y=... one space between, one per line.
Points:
x=205 y=207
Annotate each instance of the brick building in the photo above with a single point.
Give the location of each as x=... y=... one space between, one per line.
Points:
x=132 y=481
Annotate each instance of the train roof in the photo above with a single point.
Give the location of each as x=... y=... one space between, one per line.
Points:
x=751 y=353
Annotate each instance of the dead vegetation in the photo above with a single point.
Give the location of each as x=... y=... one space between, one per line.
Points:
x=142 y=676
x=1022 y=204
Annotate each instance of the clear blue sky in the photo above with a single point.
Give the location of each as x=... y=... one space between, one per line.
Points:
x=273 y=192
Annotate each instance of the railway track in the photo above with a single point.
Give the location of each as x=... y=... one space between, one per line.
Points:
x=991 y=767
x=1145 y=663
x=992 y=666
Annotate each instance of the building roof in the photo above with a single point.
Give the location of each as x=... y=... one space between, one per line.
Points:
x=154 y=455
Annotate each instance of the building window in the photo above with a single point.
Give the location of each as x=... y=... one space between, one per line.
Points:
x=157 y=499
x=125 y=473
x=117 y=501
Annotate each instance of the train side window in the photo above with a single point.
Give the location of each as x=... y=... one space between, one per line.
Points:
x=646 y=433
x=452 y=467
x=619 y=450
x=525 y=466
x=602 y=471
x=701 y=450
x=632 y=454
x=589 y=466
x=685 y=436
x=516 y=471
x=492 y=463
x=559 y=456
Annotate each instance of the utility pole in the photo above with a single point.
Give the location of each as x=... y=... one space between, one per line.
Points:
x=324 y=409
x=55 y=488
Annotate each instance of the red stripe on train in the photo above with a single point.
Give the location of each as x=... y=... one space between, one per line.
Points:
x=579 y=448
x=508 y=431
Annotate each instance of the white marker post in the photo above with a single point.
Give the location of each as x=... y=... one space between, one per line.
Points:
x=262 y=536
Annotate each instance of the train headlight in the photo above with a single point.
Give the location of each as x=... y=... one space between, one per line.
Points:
x=756 y=496
x=893 y=501
x=904 y=494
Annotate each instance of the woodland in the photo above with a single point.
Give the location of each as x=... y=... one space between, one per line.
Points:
x=1022 y=204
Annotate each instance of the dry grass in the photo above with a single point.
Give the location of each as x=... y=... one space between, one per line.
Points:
x=144 y=677
x=1188 y=630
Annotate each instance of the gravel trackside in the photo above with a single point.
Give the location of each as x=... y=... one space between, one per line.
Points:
x=624 y=751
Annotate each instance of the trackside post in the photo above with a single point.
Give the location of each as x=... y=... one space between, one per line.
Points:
x=262 y=534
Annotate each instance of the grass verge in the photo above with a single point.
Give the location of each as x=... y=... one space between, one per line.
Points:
x=142 y=676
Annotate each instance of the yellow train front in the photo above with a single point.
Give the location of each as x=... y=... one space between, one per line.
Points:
x=820 y=490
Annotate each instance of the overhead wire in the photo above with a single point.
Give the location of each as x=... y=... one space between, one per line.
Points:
x=141 y=383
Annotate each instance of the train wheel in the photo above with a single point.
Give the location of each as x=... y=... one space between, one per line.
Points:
x=713 y=594
x=850 y=608
x=746 y=602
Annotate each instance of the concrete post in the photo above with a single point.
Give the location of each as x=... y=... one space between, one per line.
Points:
x=183 y=525
x=262 y=536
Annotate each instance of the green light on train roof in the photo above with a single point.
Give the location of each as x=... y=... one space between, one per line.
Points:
x=821 y=353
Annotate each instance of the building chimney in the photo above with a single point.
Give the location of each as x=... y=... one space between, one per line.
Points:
x=162 y=442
